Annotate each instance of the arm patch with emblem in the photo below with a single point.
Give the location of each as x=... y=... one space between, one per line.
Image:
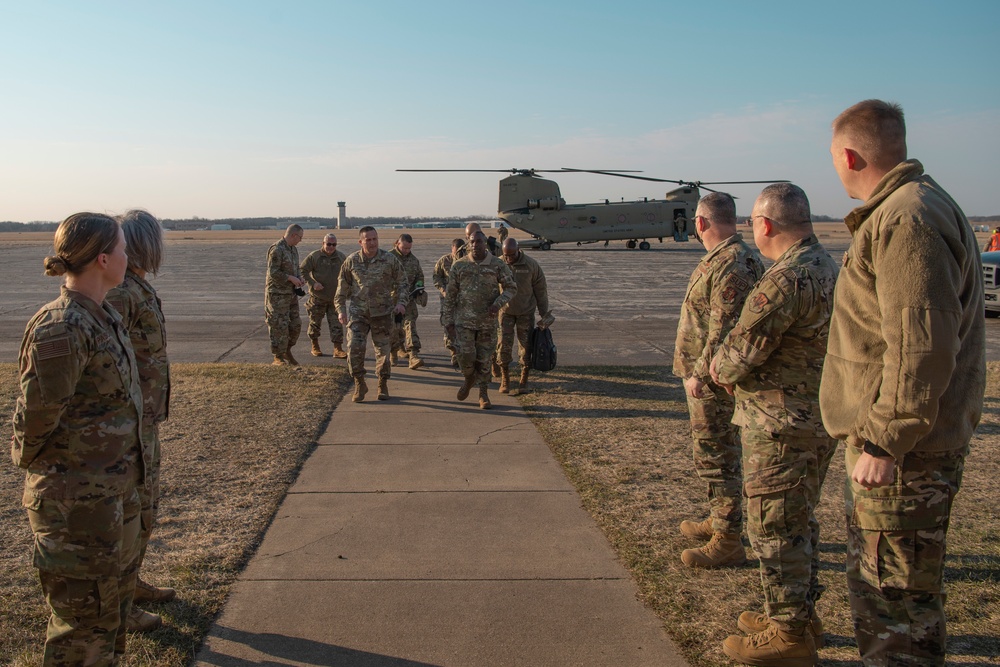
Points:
x=52 y=348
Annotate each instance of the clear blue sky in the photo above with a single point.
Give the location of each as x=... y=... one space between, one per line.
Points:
x=259 y=108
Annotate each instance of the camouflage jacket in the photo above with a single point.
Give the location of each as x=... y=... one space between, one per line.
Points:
x=411 y=267
x=76 y=423
x=531 y=289
x=371 y=284
x=774 y=355
x=473 y=287
x=441 y=269
x=140 y=308
x=282 y=261
x=715 y=294
x=318 y=267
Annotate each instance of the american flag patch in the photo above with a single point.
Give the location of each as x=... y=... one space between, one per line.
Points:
x=50 y=349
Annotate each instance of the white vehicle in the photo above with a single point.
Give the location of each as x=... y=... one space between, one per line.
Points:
x=991 y=282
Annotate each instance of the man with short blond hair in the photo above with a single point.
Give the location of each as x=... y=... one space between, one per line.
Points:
x=903 y=382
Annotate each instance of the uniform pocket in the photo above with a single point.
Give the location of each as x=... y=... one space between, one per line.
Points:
x=774 y=494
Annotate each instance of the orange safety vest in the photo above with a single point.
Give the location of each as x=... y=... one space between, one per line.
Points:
x=994 y=243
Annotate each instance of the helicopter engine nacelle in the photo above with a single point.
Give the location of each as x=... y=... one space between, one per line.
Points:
x=547 y=204
x=522 y=191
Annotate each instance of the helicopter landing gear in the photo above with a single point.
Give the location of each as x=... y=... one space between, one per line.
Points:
x=644 y=245
x=544 y=245
x=630 y=244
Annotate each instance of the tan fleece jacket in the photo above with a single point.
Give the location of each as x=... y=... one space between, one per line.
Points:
x=906 y=363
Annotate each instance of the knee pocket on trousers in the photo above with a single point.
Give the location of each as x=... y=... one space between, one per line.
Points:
x=75 y=600
x=773 y=494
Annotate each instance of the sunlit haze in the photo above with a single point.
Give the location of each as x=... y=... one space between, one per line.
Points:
x=253 y=109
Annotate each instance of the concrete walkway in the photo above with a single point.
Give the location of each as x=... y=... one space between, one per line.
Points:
x=424 y=531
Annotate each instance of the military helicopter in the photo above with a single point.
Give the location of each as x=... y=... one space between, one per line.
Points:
x=534 y=205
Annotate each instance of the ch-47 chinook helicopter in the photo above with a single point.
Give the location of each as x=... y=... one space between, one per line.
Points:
x=533 y=204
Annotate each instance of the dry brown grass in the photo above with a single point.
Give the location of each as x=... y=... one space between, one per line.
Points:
x=239 y=433
x=622 y=436
x=235 y=440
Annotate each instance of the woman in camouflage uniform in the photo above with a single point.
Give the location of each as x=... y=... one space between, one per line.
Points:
x=76 y=432
x=137 y=303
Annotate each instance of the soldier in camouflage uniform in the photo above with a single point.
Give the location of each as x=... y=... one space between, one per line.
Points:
x=518 y=315
x=375 y=283
x=440 y=278
x=405 y=341
x=77 y=434
x=321 y=270
x=137 y=303
x=774 y=357
x=715 y=294
x=903 y=383
x=471 y=304
x=281 y=304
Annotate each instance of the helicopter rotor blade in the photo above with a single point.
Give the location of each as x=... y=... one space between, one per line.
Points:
x=700 y=183
x=621 y=173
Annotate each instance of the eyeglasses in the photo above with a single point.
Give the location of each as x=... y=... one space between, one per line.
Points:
x=330 y=244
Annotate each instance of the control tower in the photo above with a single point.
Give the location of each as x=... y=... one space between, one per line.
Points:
x=342 y=221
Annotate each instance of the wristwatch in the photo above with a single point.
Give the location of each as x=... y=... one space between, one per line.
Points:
x=874 y=450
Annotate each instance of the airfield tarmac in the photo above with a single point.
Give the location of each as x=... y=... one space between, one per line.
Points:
x=612 y=305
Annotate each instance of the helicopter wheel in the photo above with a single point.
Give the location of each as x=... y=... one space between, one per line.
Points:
x=630 y=244
x=644 y=245
x=545 y=245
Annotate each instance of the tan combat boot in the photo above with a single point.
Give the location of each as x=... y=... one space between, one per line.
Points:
x=522 y=384
x=316 y=352
x=772 y=648
x=484 y=399
x=701 y=530
x=149 y=593
x=289 y=357
x=504 y=379
x=338 y=351
x=723 y=550
x=463 y=391
x=360 y=389
x=279 y=360
x=415 y=361
x=383 y=389
x=751 y=622
x=141 y=621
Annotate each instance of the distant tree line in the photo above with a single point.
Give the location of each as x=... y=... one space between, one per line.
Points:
x=265 y=223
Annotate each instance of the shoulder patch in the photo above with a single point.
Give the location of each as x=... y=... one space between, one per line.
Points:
x=52 y=348
x=729 y=295
x=758 y=303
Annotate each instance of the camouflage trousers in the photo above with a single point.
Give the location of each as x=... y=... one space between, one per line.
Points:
x=404 y=334
x=318 y=311
x=281 y=311
x=511 y=325
x=358 y=329
x=783 y=476
x=475 y=352
x=86 y=552
x=149 y=493
x=716 y=455
x=895 y=559
x=448 y=342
